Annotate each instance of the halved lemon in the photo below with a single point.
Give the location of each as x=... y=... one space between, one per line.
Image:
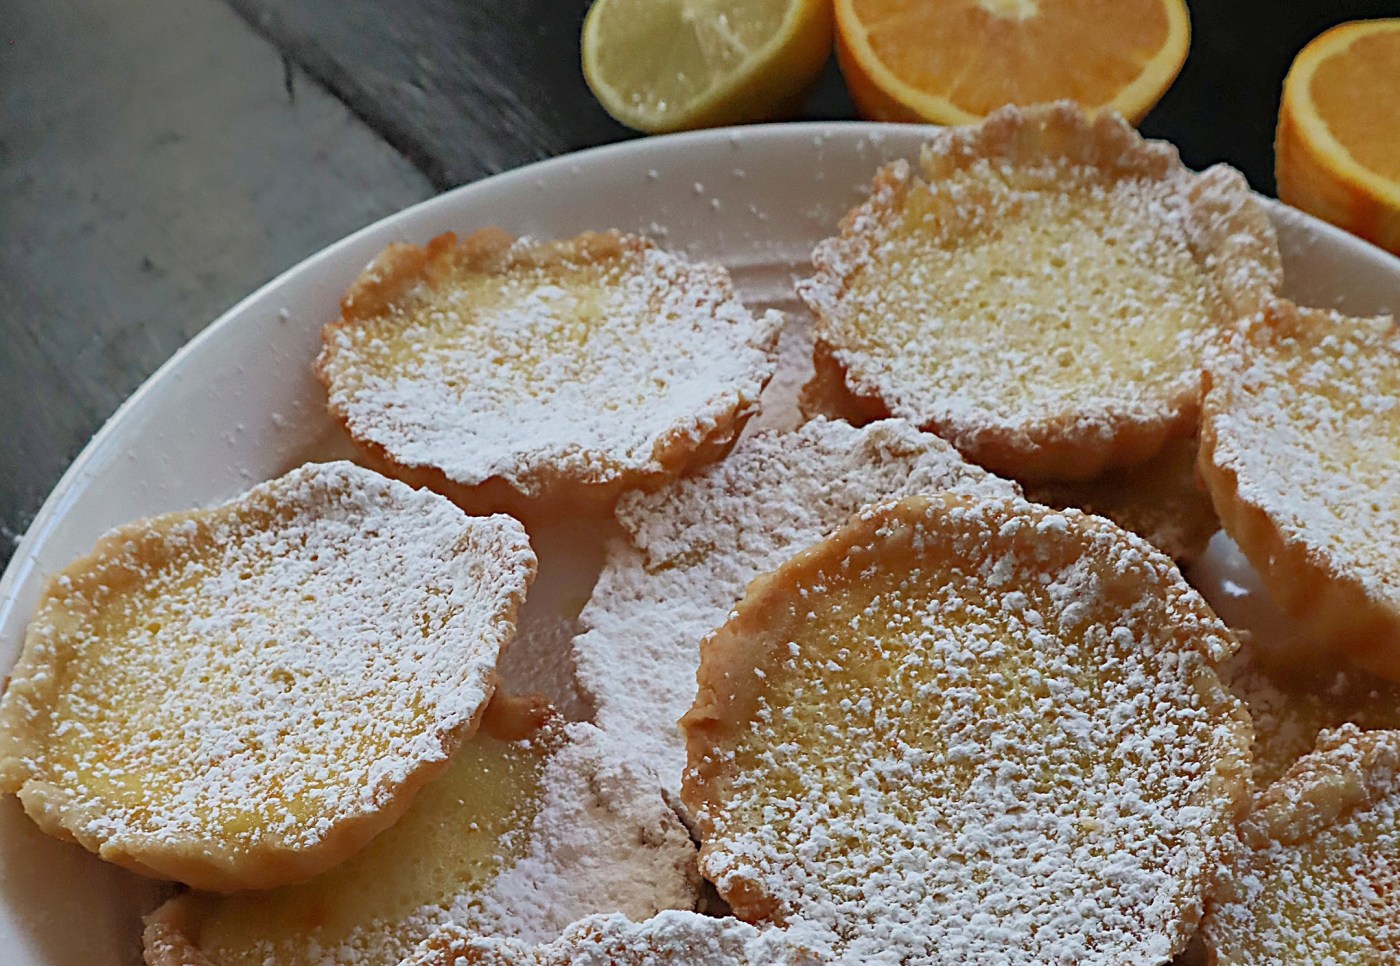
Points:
x=1338 y=148
x=669 y=65
x=955 y=61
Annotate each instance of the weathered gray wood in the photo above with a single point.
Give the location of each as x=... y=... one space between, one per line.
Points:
x=158 y=161
x=465 y=89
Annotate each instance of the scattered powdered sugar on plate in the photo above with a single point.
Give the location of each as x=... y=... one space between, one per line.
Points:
x=546 y=364
x=538 y=660
x=604 y=839
x=695 y=544
x=970 y=730
x=779 y=408
x=1315 y=877
x=679 y=938
x=213 y=693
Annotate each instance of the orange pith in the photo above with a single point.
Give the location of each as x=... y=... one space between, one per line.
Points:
x=1359 y=96
x=954 y=61
x=1338 y=151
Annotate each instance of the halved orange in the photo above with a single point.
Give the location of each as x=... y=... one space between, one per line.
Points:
x=955 y=61
x=1338 y=150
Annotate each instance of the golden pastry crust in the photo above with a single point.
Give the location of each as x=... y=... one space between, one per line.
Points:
x=1159 y=500
x=1299 y=442
x=521 y=836
x=1316 y=877
x=826 y=393
x=1042 y=296
x=942 y=730
x=509 y=374
x=182 y=689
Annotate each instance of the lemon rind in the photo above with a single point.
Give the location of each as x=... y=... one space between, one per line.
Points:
x=765 y=89
x=1298 y=102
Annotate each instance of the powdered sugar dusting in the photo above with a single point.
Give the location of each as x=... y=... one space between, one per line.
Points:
x=604 y=840
x=560 y=362
x=1291 y=706
x=1049 y=284
x=981 y=732
x=680 y=938
x=1316 y=878
x=249 y=678
x=696 y=544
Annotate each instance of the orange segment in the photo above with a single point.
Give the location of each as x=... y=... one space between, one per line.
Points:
x=1338 y=150
x=955 y=61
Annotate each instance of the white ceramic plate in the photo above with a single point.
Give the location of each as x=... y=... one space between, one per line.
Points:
x=238 y=404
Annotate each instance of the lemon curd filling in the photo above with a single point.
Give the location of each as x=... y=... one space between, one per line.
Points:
x=1088 y=295
x=1041 y=290
x=515 y=372
x=462 y=830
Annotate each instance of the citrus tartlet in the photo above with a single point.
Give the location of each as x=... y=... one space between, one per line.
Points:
x=522 y=835
x=968 y=730
x=1041 y=291
x=509 y=373
x=691 y=548
x=1299 y=439
x=244 y=696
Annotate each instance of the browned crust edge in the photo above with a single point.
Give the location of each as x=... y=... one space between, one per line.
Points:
x=828 y=393
x=561 y=495
x=172 y=930
x=1320 y=789
x=166 y=939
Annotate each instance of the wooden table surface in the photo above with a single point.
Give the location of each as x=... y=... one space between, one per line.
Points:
x=159 y=159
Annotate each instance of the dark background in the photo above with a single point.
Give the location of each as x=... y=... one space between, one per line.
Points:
x=159 y=159
x=466 y=89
